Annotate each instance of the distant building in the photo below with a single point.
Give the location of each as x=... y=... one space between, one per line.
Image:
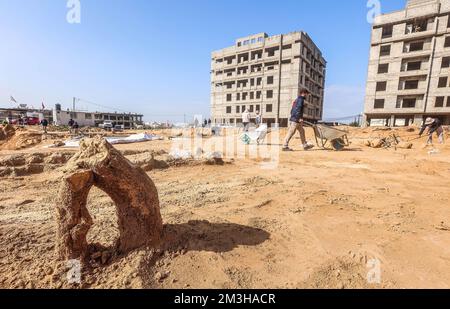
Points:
x=23 y=111
x=409 y=66
x=94 y=119
x=265 y=74
x=60 y=117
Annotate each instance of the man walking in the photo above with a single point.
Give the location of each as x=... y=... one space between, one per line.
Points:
x=433 y=125
x=296 y=122
x=44 y=124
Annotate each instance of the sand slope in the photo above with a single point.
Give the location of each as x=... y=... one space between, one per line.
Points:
x=315 y=221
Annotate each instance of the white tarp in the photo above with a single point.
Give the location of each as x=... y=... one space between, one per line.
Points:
x=135 y=138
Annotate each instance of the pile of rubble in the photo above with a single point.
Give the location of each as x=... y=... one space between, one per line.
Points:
x=391 y=141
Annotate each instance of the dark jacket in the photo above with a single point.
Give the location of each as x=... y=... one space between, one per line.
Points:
x=432 y=127
x=298 y=109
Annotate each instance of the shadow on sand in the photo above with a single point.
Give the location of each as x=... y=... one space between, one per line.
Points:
x=212 y=237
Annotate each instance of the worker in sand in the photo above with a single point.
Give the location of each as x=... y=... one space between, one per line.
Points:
x=433 y=125
x=75 y=128
x=246 y=119
x=71 y=123
x=296 y=122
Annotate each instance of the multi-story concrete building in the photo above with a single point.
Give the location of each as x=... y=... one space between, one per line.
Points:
x=409 y=65
x=265 y=74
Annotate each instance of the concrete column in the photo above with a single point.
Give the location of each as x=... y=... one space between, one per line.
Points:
x=392 y=121
x=418 y=119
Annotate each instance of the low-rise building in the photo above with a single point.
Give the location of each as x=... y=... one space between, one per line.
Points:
x=94 y=119
x=8 y=114
x=61 y=117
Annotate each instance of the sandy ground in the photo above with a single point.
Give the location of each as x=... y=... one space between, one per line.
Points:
x=317 y=220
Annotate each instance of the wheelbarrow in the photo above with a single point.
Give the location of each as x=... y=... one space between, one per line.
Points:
x=324 y=135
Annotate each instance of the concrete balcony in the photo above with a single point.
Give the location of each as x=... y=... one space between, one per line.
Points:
x=419 y=53
x=422 y=71
x=403 y=36
x=243 y=75
x=229 y=78
x=431 y=30
x=256 y=74
x=228 y=90
x=412 y=92
x=229 y=66
x=272 y=58
x=256 y=61
x=217 y=66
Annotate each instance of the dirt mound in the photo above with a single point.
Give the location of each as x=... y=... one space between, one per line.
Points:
x=11 y=139
x=30 y=164
x=341 y=273
x=6 y=132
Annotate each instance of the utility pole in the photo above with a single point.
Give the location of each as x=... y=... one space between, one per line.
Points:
x=73 y=104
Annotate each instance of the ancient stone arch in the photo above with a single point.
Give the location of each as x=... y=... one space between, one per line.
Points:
x=99 y=164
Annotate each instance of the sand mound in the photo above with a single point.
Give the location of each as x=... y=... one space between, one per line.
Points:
x=30 y=164
x=6 y=132
x=343 y=272
x=11 y=139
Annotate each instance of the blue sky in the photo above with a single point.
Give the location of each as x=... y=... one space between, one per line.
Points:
x=153 y=56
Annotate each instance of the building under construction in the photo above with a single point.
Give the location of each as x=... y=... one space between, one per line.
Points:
x=409 y=66
x=265 y=73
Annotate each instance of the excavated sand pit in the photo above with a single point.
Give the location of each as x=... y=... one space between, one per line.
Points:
x=317 y=219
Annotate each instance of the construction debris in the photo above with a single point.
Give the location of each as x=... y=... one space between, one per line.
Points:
x=135 y=138
x=391 y=141
x=136 y=198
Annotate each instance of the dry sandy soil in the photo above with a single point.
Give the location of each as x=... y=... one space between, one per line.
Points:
x=315 y=221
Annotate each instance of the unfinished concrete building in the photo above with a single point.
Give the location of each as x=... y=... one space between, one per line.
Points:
x=409 y=66
x=265 y=74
